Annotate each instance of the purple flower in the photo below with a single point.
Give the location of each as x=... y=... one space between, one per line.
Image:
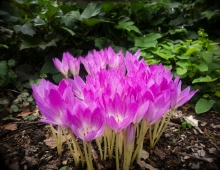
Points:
x=63 y=66
x=157 y=108
x=119 y=113
x=179 y=97
x=86 y=124
x=74 y=64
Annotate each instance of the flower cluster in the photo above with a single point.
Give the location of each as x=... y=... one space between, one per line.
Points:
x=120 y=99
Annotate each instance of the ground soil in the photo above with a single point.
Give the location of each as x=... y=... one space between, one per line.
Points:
x=26 y=144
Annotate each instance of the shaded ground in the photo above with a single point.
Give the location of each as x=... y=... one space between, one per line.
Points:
x=28 y=144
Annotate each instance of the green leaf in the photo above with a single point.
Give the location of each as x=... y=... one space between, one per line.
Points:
x=206 y=79
x=57 y=77
x=9 y=117
x=191 y=50
x=178 y=31
x=202 y=66
x=73 y=15
x=210 y=14
x=64 y=168
x=4 y=102
x=50 y=12
x=49 y=68
x=91 y=10
x=107 y=6
x=129 y=26
x=43 y=45
x=68 y=30
x=11 y=62
x=14 y=108
x=30 y=117
x=30 y=42
x=181 y=71
x=203 y=105
x=3 y=68
x=135 y=6
x=150 y=40
x=91 y=21
x=39 y=22
x=25 y=29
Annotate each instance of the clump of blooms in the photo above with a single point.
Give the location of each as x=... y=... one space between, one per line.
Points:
x=119 y=102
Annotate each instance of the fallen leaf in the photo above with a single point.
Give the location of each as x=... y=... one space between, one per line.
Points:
x=10 y=126
x=144 y=165
x=31 y=161
x=25 y=113
x=191 y=120
x=159 y=153
x=50 y=142
x=144 y=154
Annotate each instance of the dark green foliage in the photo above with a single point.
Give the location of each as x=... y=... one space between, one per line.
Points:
x=34 y=32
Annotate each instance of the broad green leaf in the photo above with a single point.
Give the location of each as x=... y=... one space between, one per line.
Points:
x=4 y=46
x=49 y=68
x=178 y=31
x=191 y=50
x=73 y=15
x=129 y=26
x=14 y=108
x=43 y=45
x=184 y=63
x=57 y=77
x=203 y=105
x=210 y=14
x=150 y=40
x=3 y=68
x=135 y=6
x=30 y=42
x=166 y=54
x=91 y=10
x=39 y=22
x=25 y=29
x=68 y=30
x=11 y=62
x=107 y=6
x=91 y=21
x=202 y=66
x=181 y=71
x=9 y=117
x=206 y=79
x=50 y=12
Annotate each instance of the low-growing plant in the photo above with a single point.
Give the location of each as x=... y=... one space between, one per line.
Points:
x=119 y=102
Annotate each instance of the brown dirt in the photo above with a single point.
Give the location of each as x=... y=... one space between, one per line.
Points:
x=24 y=146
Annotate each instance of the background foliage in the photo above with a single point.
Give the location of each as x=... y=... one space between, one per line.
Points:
x=182 y=34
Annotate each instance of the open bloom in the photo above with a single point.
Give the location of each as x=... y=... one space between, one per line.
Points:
x=86 y=124
x=180 y=97
x=119 y=113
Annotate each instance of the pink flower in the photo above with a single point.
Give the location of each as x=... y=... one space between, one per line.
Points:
x=157 y=109
x=119 y=113
x=74 y=64
x=63 y=66
x=179 y=97
x=86 y=124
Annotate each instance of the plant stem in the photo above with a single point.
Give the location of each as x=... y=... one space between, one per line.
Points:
x=140 y=140
x=76 y=159
x=98 y=142
x=76 y=145
x=116 y=150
